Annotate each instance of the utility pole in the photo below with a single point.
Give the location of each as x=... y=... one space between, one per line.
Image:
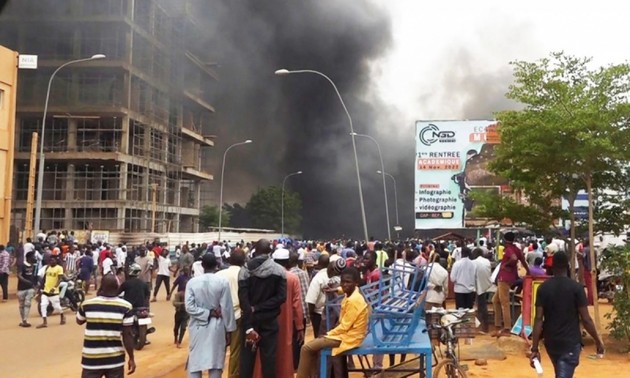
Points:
x=153 y=206
x=30 y=197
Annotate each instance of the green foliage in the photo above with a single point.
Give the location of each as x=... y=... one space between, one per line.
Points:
x=499 y=207
x=209 y=217
x=264 y=208
x=617 y=261
x=239 y=216
x=572 y=131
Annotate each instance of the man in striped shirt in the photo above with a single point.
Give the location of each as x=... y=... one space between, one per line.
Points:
x=107 y=317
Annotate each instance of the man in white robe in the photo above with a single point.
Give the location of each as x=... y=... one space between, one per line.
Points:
x=209 y=304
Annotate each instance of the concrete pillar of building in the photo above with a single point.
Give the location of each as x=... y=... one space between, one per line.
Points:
x=146 y=148
x=197 y=188
x=122 y=182
x=124 y=136
x=72 y=134
x=69 y=195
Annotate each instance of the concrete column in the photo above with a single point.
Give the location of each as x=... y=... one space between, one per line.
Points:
x=122 y=182
x=147 y=142
x=72 y=134
x=197 y=189
x=124 y=137
x=69 y=196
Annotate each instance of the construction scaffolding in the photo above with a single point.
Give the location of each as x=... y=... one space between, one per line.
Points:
x=124 y=140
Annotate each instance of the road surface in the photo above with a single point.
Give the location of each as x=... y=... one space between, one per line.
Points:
x=56 y=351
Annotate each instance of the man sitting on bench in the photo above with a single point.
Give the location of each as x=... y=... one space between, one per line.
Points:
x=349 y=334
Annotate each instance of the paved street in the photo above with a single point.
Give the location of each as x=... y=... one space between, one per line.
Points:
x=56 y=350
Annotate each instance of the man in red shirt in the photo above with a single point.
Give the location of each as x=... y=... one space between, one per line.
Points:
x=508 y=275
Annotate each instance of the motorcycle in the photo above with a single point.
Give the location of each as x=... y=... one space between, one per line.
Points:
x=72 y=299
x=74 y=294
x=142 y=327
x=607 y=286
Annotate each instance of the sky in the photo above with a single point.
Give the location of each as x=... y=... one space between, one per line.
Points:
x=438 y=44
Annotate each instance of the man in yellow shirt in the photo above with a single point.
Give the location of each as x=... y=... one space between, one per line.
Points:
x=50 y=293
x=349 y=334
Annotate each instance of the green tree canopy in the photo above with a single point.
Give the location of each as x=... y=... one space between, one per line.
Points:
x=571 y=133
x=264 y=208
x=209 y=217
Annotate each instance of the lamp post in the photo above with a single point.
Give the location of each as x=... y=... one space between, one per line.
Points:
x=395 y=194
x=222 y=172
x=380 y=155
x=282 y=206
x=284 y=72
x=40 y=173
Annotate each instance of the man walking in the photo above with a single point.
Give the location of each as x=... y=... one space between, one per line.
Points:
x=163 y=275
x=52 y=278
x=27 y=281
x=237 y=260
x=107 y=318
x=262 y=289
x=209 y=304
x=560 y=305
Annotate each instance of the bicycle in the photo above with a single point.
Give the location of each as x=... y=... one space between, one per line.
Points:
x=450 y=364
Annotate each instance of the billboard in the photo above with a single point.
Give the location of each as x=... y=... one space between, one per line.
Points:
x=451 y=161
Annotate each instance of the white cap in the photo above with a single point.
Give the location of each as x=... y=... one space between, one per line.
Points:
x=279 y=246
x=280 y=254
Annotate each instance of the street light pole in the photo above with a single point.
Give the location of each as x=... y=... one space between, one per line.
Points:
x=395 y=194
x=40 y=173
x=282 y=206
x=283 y=72
x=380 y=155
x=221 y=190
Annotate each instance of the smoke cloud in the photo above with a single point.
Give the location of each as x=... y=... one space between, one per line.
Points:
x=296 y=121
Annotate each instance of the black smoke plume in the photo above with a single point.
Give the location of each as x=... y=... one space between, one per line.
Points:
x=296 y=121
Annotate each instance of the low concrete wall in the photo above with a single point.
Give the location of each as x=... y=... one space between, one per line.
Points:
x=181 y=238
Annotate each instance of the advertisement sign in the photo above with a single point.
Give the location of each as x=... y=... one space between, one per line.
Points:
x=99 y=236
x=451 y=161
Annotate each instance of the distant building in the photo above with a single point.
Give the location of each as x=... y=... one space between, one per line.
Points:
x=124 y=135
x=8 y=77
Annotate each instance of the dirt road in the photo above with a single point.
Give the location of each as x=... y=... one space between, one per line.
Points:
x=56 y=351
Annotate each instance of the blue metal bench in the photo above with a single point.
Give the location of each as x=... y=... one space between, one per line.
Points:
x=419 y=344
x=395 y=325
x=396 y=310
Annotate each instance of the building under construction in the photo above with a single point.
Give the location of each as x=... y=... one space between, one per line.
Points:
x=124 y=135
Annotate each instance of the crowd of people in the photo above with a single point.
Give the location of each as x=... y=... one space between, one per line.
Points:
x=259 y=298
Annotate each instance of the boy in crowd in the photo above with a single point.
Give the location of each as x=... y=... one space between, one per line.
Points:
x=350 y=332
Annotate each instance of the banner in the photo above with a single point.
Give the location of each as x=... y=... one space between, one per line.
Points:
x=451 y=162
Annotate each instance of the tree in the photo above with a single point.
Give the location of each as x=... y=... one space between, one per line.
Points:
x=571 y=134
x=239 y=216
x=264 y=208
x=499 y=207
x=617 y=262
x=209 y=217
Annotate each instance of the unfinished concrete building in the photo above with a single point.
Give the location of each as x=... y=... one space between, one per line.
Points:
x=124 y=135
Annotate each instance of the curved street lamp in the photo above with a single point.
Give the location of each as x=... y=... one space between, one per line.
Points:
x=282 y=206
x=40 y=173
x=395 y=194
x=284 y=72
x=380 y=155
x=222 y=172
